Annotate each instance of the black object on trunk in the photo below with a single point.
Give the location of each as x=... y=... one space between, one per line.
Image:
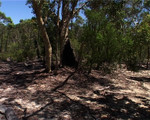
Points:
x=68 y=58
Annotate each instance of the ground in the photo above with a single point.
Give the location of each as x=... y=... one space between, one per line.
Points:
x=68 y=95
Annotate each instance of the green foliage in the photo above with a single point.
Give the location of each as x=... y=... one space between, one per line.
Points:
x=76 y=33
x=111 y=37
x=4 y=19
x=114 y=32
x=19 y=40
x=101 y=40
x=21 y=53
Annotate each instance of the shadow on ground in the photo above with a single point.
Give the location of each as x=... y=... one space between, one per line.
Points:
x=140 y=79
x=66 y=108
x=22 y=75
x=66 y=101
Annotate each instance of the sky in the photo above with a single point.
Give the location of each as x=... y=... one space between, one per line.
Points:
x=16 y=9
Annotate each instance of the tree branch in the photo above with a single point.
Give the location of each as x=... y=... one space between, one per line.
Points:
x=58 y=10
x=41 y=3
x=77 y=10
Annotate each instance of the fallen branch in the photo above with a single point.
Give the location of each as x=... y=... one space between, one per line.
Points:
x=62 y=84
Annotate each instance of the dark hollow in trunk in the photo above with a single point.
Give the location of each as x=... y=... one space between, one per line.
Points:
x=68 y=58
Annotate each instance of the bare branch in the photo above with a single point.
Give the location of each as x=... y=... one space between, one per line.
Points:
x=77 y=10
x=74 y=4
x=58 y=10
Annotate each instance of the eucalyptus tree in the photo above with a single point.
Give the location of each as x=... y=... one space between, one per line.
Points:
x=69 y=9
x=37 y=7
x=22 y=38
x=143 y=40
x=61 y=12
x=102 y=32
x=3 y=22
x=101 y=40
x=110 y=30
x=3 y=18
x=2 y=35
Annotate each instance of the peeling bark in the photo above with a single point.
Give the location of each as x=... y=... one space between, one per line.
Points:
x=48 y=47
x=67 y=15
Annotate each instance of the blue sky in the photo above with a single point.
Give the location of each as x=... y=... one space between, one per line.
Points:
x=16 y=9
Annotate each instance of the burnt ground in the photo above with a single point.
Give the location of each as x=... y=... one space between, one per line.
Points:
x=69 y=95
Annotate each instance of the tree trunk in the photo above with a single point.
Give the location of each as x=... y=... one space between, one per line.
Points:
x=37 y=48
x=68 y=58
x=48 y=47
x=69 y=10
x=57 y=37
x=148 y=56
x=1 y=44
x=64 y=26
x=6 y=44
x=90 y=68
x=80 y=56
x=63 y=40
x=56 y=54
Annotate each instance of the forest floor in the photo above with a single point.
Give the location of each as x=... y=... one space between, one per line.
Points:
x=69 y=95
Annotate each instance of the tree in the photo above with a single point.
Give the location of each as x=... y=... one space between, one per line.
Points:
x=50 y=10
x=143 y=40
x=3 y=18
x=68 y=10
x=110 y=32
x=2 y=30
x=3 y=21
x=101 y=40
x=37 y=7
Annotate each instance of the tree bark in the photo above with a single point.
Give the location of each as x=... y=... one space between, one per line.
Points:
x=37 y=48
x=148 y=56
x=57 y=37
x=48 y=47
x=6 y=43
x=63 y=40
x=67 y=15
x=1 y=44
x=80 y=56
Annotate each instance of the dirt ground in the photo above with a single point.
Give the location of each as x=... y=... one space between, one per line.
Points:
x=69 y=95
